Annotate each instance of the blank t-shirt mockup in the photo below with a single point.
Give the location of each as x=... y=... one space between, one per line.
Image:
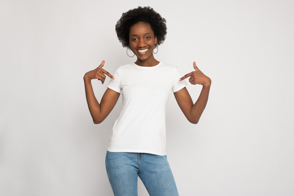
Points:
x=141 y=124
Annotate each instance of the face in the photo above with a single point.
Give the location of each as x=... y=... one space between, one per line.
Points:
x=142 y=40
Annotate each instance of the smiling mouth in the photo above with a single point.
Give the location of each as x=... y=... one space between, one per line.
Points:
x=142 y=51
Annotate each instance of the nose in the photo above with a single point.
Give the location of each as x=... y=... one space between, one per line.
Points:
x=141 y=43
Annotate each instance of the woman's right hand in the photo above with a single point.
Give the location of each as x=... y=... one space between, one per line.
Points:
x=98 y=73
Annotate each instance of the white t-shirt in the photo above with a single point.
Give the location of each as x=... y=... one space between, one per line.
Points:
x=141 y=124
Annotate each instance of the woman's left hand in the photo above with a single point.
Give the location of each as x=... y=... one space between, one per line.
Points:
x=197 y=77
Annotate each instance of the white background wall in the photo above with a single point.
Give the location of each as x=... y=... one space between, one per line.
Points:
x=243 y=144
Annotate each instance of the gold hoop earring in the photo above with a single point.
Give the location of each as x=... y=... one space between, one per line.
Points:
x=128 y=54
x=157 y=49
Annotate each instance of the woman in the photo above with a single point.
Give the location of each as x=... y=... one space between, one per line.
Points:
x=138 y=140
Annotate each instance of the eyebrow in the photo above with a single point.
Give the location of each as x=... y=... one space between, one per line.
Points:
x=136 y=35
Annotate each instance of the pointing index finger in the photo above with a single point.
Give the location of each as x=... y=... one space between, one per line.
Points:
x=185 y=76
x=107 y=73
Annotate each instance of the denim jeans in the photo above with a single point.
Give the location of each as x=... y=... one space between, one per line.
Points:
x=123 y=169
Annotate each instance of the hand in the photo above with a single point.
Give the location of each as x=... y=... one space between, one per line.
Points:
x=197 y=77
x=98 y=73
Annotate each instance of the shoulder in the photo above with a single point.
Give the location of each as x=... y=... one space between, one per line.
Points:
x=168 y=65
x=122 y=70
x=171 y=67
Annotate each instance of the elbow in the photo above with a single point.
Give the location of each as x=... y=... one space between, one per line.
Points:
x=193 y=121
x=97 y=121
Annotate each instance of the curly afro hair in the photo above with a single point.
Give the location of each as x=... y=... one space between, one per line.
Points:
x=140 y=14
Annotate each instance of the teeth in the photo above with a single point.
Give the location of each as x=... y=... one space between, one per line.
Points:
x=142 y=50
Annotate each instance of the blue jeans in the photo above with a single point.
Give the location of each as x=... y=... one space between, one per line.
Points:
x=123 y=169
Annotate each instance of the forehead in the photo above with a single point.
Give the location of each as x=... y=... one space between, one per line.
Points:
x=140 y=28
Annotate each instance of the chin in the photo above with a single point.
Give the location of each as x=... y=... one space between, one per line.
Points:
x=143 y=58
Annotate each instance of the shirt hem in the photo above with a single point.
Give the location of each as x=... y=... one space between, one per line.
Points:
x=137 y=151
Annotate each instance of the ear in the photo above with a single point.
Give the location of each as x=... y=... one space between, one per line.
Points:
x=155 y=40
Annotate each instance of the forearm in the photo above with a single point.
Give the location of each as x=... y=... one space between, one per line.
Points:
x=199 y=106
x=92 y=102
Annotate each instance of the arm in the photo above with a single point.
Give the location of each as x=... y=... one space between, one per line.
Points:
x=199 y=106
x=192 y=111
x=100 y=111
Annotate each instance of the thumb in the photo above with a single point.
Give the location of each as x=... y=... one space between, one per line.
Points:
x=102 y=64
x=195 y=66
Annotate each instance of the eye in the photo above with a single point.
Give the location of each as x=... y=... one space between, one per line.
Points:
x=148 y=37
x=133 y=39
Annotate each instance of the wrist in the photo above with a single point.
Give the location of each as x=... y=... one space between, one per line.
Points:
x=86 y=78
x=207 y=84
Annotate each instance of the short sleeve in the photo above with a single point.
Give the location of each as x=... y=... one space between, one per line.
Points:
x=178 y=85
x=116 y=83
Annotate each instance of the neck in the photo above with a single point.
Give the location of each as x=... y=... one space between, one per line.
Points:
x=150 y=62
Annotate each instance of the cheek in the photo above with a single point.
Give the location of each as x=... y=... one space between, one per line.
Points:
x=132 y=46
x=152 y=43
